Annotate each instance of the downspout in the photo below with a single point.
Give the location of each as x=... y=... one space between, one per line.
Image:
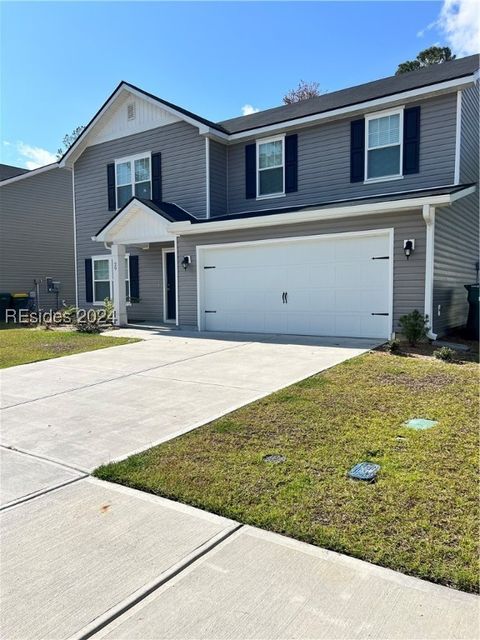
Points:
x=428 y=213
x=207 y=176
x=75 y=257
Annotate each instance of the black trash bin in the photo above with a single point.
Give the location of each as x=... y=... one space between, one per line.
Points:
x=472 y=321
x=20 y=301
x=5 y=301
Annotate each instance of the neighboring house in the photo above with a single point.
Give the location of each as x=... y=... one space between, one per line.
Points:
x=36 y=232
x=292 y=220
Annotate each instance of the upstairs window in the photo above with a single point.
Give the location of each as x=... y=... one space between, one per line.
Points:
x=271 y=167
x=133 y=177
x=384 y=134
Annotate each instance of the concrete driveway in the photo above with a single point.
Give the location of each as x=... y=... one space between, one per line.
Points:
x=83 y=558
x=91 y=408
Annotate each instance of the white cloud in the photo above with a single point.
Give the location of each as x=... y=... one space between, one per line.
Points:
x=459 y=22
x=34 y=157
x=247 y=109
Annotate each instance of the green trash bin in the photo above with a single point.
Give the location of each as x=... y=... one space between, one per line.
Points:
x=5 y=301
x=473 y=317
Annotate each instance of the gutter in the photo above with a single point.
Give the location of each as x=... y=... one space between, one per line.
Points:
x=327 y=213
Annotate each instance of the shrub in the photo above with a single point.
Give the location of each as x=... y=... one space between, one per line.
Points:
x=444 y=353
x=109 y=310
x=89 y=327
x=393 y=346
x=414 y=327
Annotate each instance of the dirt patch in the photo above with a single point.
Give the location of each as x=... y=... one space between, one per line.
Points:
x=428 y=382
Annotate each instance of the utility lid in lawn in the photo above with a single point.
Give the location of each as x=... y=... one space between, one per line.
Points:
x=420 y=424
x=364 y=471
x=275 y=458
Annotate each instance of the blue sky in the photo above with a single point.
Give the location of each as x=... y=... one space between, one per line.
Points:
x=60 y=60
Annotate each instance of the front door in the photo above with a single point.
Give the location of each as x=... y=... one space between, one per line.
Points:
x=170 y=293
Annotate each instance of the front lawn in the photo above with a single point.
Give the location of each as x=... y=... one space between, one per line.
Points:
x=20 y=346
x=420 y=516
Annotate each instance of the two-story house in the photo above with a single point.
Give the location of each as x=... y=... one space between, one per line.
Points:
x=332 y=216
x=36 y=234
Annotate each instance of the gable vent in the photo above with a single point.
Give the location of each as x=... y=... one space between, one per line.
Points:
x=131 y=111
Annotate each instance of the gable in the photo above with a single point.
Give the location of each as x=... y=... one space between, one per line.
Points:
x=128 y=115
x=136 y=224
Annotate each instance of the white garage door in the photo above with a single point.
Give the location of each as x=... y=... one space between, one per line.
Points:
x=332 y=285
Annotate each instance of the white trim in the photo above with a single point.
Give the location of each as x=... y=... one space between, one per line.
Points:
x=258 y=143
x=75 y=257
x=109 y=257
x=164 y=279
x=175 y=246
x=102 y=236
x=375 y=116
x=359 y=107
x=428 y=213
x=29 y=174
x=207 y=176
x=327 y=213
x=458 y=138
x=132 y=159
x=204 y=129
x=200 y=250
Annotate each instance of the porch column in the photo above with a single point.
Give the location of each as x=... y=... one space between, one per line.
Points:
x=119 y=275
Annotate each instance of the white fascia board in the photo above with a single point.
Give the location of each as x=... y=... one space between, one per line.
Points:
x=103 y=236
x=421 y=93
x=328 y=213
x=29 y=174
x=80 y=144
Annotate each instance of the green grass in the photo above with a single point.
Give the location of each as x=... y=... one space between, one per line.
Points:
x=420 y=517
x=20 y=346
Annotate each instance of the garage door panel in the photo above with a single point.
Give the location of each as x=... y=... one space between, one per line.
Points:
x=333 y=286
x=322 y=299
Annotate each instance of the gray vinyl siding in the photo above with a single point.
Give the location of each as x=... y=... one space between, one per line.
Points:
x=36 y=235
x=218 y=179
x=324 y=162
x=408 y=275
x=457 y=231
x=183 y=182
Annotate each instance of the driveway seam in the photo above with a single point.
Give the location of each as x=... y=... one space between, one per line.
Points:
x=39 y=494
x=54 y=461
x=140 y=594
x=120 y=377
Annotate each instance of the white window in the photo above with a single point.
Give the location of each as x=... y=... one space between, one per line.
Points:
x=133 y=177
x=383 y=148
x=270 y=167
x=103 y=279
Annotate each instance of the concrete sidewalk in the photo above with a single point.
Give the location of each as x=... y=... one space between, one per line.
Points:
x=83 y=558
x=93 y=558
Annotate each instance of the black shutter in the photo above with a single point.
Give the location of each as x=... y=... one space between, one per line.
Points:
x=357 y=150
x=251 y=171
x=111 y=187
x=157 y=177
x=411 y=140
x=134 y=282
x=88 y=280
x=291 y=163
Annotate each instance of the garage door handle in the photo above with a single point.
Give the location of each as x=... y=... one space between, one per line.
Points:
x=286 y=297
x=380 y=314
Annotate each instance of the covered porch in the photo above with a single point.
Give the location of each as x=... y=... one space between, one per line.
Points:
x=143 y=271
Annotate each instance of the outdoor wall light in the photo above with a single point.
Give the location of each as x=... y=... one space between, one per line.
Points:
x=186 y=261
x=408 y=247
